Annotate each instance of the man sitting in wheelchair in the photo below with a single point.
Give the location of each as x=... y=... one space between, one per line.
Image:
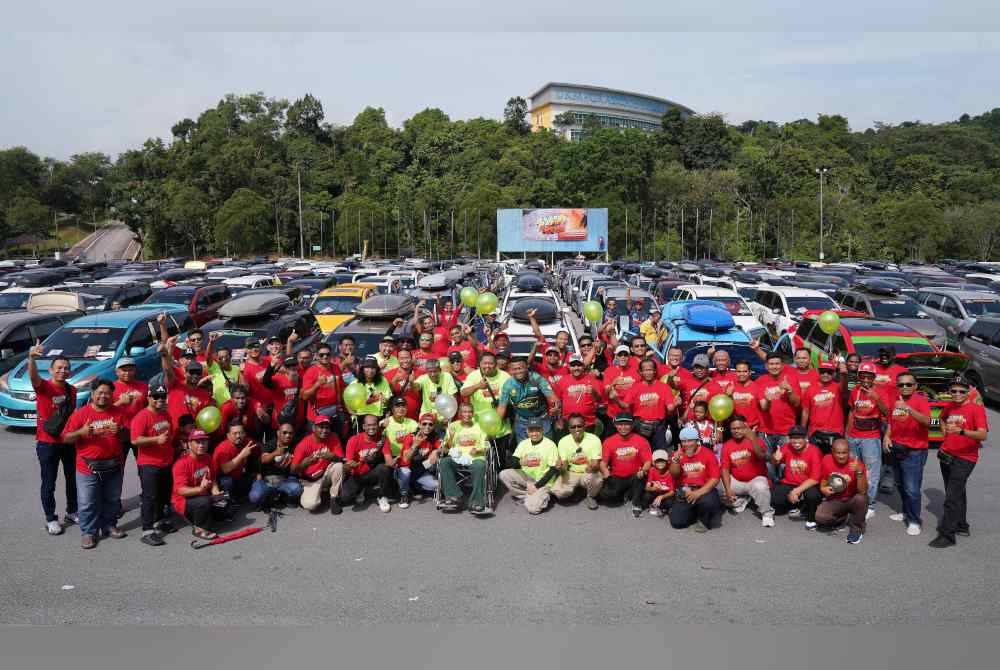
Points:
x=464 y=453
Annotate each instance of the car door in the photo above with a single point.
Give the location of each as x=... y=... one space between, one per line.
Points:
x=14 y=347
x=990 y=360
x=144 y=336
x=951 y=318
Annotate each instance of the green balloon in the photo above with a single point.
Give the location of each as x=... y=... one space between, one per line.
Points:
x=490 y=422
x=209 y=419
x=355 y=396
x=829 y=322
x=468 y=296
x=592 y=311
x=486 y=303
x=720 y=407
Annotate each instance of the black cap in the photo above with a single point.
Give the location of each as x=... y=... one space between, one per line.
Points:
x=252 y=343
x=194 y=366
x=389 y=338
x=624 y=417
x=274 y=338
x=158 y=391
x=370 y=362
x=289 y=362
x=535 y=422
x=189 y=353
x=398 y=401
x=797 y=431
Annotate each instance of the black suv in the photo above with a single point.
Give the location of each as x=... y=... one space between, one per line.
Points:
x=882 y=300
x=279 y=323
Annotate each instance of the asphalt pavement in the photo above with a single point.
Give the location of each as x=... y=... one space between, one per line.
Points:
x=112 y=242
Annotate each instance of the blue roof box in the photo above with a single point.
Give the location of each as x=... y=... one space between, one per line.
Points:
x=704 y=315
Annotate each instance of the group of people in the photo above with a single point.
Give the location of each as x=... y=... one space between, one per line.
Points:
x=608 y=424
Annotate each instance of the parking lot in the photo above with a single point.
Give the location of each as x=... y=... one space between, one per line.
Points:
x=569 y=565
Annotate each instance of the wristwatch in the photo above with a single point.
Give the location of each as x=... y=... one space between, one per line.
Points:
x=962 y=432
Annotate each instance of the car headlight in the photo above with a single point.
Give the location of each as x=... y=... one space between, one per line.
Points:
x=3 y=383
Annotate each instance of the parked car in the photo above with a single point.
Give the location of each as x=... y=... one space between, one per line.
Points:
x=882 y=301
x=726 y=298
x=957 y=310
x=101 y=297
x=260 y=315
x=245 y=282
x=311 y=286
x=335 y=306
x=20 y=330
x=695 y=326
x=202 y=302
x=93 y=343
x=982 y=345
x=374 y=319
x=780 y=308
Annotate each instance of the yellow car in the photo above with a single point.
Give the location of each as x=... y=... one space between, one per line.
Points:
x=334 y=306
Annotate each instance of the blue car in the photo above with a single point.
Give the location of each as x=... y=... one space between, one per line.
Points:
x=93 y=345
x=699 y=325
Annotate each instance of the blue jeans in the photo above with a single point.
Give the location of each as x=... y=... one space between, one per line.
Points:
x=774 y=442
x=909 y=474
x=424 y=480
x=520 y=427
x=238 y=489
x=49 y=457
x=261 y=491
x=99 y=500
x=869 y=450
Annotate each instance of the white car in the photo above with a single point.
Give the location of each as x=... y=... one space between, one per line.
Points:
x=734 y=303
x=778 y=308
x=250 y=281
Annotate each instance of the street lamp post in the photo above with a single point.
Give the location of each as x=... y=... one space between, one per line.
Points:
x=821 y=171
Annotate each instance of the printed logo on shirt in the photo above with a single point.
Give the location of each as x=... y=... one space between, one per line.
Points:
x=740 y=456
x=365 y=453
x=693 y=467
x=956 y=420
x=649 y=399
x=531 y=460
x=798 y=465
x=742 y=398
x=104 y=425
x=823 y=398
x=161 y=427
x=773 y=392
x=882 y=380
x=201 y=472
x=58 y=399
x=863 y=403
x=626 y=452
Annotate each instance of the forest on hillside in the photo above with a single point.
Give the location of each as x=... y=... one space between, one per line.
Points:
x=230 y=182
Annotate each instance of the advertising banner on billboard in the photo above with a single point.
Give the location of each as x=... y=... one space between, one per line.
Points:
x=552 y=230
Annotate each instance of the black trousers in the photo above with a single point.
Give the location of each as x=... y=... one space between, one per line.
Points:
x=955 y=476
x=380 y=475
x=808 y=501
x=615 y=489
x=649 y=496
x=156 y=485
x=707 y=509
x=199 y=510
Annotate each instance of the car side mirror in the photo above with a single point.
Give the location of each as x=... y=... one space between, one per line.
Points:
x=136 y=351
x=6 y=353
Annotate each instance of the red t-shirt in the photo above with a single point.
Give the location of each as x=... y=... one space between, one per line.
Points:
x=576 y=396
x=138 y=403
x=697 y=470
x=359 y=447
x=47 y=396
x=649 y=401
x=826 y=408
x=105 y=444
x=183 y=399
x=780 y=416
x=742 y=461
x=248 y=417
x=695 y=389
x=441 y=337
x=225 y=452
x=188 y=471
x=864 y=408
x=250 y=371
x=626 y=456
x=660 y=482
x=885 y=382
x=610 y=376
x=681 y=373
x=904 y=429
x=397 y=380
x=429 y=445
x=284 y=390
x=327 y=394
x=969 y=416
x=551 y=375
x=727 y=380
x=806 y=379
x=420 y=358
x=469 y=358
x=448 y=318
x=148 y=423
x=544 y=346
x=828 y=466
x=307 y=447
x=746 y=400
x=801 y=465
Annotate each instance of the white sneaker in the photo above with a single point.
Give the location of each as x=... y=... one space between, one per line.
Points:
x=71 y=520
x=810 y=525
x=913 y=529
x=869 y=514
x=54 y=527
x=795 y=513
x=741 y=504
x=383 y=504
x=654 y=511
x=898 y=516
x=767 y=521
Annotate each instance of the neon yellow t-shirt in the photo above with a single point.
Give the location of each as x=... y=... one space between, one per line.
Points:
x=481 y=399
x=536 y=459
x=429 y=390
x=579 y=455
x=466 y=441
x=395 y=431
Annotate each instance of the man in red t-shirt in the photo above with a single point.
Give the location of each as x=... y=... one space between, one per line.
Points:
x=364 y=466
x=318 y=462
x=797 y=492
x=282 y=379
x=460 y=340
x=965 y=429
x=887 y=373
x=744 y=471
x=864 y=428
x=52 y=395
x=400 y=380
x=779 y=403
x=96 y=429
x=184 y=396
x=321 y=385
x=248 y=411
x=550 y=367
x=906 y=438
x=129 y=397
x=151 y=431
x=650 y=402
x=699 y=387
x=580 y=392
x=722 y=373
x=253 y=369
x=195 y=484
x=746 y=400
x=625 y=460
x=237 y=460
x=620 y=377
x=802 y=371
x=425 y=326
x=696 y=472
x=823 y=408
x=844 y=496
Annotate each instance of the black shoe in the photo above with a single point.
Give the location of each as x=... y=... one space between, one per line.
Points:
x=964 y=532
x=165 y=528
x=152 y=539
x=941 y=542
x=335 y=507
x=359 y=507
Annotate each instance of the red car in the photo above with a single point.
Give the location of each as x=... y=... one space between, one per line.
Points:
x=202 y=300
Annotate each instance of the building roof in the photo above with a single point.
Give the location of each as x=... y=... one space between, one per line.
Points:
x=619 y=91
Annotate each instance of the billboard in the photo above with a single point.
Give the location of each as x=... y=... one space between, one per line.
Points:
x=552 y=230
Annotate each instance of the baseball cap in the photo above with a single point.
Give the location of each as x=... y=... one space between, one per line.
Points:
x=552 y=350
x=398 y=401
x=960 y=381
x=274 y=338
x=701 y=360
x=455 y=357
x=661 y=455
x=535 y=422
x=289 y=362
x=427 y=416
x=827 y=365
x=624 y=417
x=389 y=338
x=124 y=361
x=158 y=391
x=198 y=434
x=252 y=343
x=189 y=353
x=502 y=334
x=576 y=358
x=193 y=366
x=622 y=349
x=797 y=431
x=688 y=433
x=867 y=367
x=321 y=420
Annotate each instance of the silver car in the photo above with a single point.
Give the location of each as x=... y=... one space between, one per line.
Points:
x=957 y=309
x=982 y=345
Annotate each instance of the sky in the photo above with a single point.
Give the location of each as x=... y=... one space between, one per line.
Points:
x=72 y=92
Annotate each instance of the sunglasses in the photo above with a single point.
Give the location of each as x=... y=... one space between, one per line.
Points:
x=906 y=384
x=286 y=432
x=323 y=354
x=426 y=423
x=621 y=354
x=959 y=391
x=577 y=427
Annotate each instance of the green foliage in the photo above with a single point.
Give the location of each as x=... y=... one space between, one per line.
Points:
x=515 y=116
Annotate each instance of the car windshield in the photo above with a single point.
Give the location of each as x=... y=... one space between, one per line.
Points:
x=747 y=292
x=236 y=340
x=803 y=305
x=898 y=309
x=734 y=306
x=172 y=296
x=365 y=344
x=93 y=303
x=335 y=304
x=981 y=306
x=81 y=342
x=870 y=349
x=14 y=300
x=621 y=309
x=406 y=282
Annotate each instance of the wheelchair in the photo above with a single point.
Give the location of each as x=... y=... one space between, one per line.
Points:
x=464 y=475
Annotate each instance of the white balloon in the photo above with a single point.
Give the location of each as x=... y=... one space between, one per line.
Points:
x=445 y=405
